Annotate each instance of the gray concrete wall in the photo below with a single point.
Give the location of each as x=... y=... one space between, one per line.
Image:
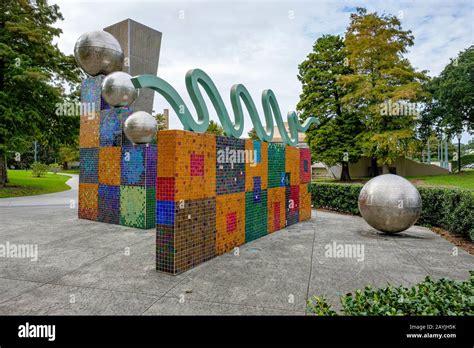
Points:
x=404 y=166
x=141 y=46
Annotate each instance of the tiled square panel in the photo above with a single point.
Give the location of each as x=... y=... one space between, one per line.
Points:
x=305 y=166
x=305 y=202
x=256 y=222
x=276 y=165
x=109 y=204
x=88 y=201
x=195 y=233
x=230 y=165
x=109 y=166
x=292 y=204
x=89 y=164
x=258 y=166
x=276 y=209
x=232 y=205
x=292 y=164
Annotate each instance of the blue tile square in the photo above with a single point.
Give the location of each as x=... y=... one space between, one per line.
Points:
x=165 y=212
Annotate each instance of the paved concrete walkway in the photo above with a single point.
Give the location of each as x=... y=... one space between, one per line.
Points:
x=59 y=198
x=94 y=268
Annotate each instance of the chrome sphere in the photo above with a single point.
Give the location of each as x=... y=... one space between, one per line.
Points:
x=118 y=89
x=98 y=52
x=140 y=127
x=390 y=203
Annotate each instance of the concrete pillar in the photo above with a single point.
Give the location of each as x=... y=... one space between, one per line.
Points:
x=141 y=46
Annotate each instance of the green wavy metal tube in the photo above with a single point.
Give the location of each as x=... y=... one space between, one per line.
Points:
x=238 y=93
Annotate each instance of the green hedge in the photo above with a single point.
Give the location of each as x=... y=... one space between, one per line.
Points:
x=440 y=297
x=450 y=209
x=465 y=160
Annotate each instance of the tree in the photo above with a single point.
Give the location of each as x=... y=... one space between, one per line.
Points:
x=333 y=141
x=33 y=77
x=452 y=106
x=383 y=86
x=214 y=128
x=451 y=109
x=252 y=134
x=69 y=153
x=160 y=119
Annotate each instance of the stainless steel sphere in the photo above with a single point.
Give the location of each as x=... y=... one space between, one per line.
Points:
x=98 y=52
x=118 y=89
x=140 y=127
x=390 y=203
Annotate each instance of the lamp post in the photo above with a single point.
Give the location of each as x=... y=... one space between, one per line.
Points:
x=459 y=151
x=429 y=152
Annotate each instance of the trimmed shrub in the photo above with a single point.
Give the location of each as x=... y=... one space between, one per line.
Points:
x=451 y=209
x=465 y=160
x=430 y=297
x=55 y=168
x=38 y=169
x=338 y=197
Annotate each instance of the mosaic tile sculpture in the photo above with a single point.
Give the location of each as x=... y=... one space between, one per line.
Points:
x=117 y=181
x=215 y=193
x=205 y=194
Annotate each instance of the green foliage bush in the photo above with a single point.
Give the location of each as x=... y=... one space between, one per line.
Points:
x=430 y=297
x=39 y=169
x=55 y=168
x=451 y=209
x=337 y=197
x=465 y=160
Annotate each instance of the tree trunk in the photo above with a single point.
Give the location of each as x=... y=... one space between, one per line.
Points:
x=3 y=169
x=374 y=171
x=345 y=176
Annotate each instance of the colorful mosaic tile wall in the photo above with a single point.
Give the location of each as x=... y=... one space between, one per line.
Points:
x=215 y=193
x=117 y=181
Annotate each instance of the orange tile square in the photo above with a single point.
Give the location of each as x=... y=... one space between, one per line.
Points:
x=276 y=203
x=292 y=164
x=230 y=222
x=256 y=169
x=305 y=203
x=88 y=201
x=109 y=165
x=89 y=131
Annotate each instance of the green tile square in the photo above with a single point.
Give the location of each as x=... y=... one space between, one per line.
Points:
x=133 y=206
x=255 y=216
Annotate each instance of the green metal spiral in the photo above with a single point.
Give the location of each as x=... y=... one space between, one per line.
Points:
x=238 y=93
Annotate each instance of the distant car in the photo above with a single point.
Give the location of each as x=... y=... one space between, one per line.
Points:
x=469 y=166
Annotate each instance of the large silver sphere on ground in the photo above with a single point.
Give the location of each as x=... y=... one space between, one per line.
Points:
x=118 y=89
x=98 y=52
x=140 y=127
x=390 y=203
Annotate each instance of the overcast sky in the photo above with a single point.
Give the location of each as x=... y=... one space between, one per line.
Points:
x=260 y=43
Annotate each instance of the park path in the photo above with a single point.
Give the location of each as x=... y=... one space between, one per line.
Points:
x=50 y=199
x=110 y=269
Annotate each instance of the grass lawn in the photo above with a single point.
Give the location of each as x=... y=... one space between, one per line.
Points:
x=465 y=180
x=70 y=171
x=22 y=183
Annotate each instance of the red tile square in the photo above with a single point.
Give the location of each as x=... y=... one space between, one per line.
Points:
x=197 y=165
x=276 y=216
x=231 y=222
x=165 y=189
